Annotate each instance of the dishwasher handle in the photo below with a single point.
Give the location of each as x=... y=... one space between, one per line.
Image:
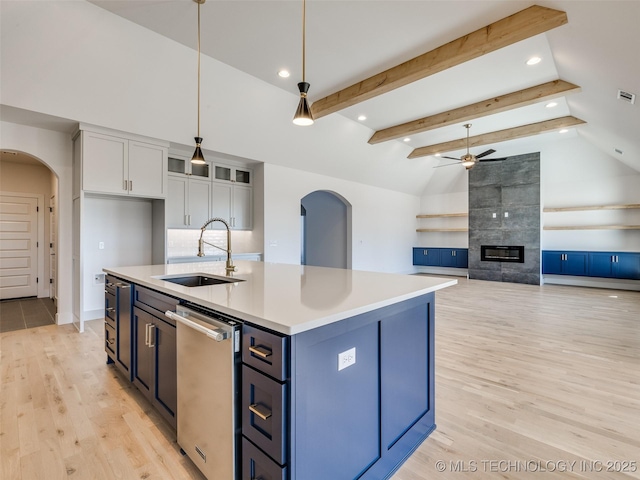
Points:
x=218 y=334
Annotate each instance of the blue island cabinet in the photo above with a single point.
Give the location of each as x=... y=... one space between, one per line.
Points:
x=352 y=400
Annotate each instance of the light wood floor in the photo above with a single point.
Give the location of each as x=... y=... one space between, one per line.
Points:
x=527 y=377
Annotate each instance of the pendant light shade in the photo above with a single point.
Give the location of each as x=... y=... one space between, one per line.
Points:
x=303 y=116
x=198 y=157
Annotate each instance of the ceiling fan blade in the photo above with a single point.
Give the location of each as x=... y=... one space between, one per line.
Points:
x=451 y=158
x=492 y=159
x=447 y=165
x=484 y=154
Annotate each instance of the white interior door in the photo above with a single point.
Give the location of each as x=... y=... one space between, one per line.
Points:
x=18 y=246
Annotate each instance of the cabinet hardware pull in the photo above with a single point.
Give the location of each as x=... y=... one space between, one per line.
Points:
x=189 y=216
x=146 y=334
x=111 y=309
x=125 y=185
x=122 y=285
x=260 y=351
x=257 y=410
x=131 y=185
x=152 y=335
x=112 y=341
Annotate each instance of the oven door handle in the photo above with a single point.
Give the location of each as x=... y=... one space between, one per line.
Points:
x=218 y=334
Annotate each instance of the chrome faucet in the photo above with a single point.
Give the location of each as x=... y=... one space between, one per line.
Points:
x=230 y=268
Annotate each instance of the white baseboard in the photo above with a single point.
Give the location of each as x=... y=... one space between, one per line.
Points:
x=457 y=272
x=594 y=282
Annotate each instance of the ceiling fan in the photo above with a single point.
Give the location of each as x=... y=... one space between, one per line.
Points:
x=469 y=160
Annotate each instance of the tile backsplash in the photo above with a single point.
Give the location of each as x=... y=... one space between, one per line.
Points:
x=184 y=243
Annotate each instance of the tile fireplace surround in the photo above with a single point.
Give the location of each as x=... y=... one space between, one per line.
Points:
x=504 y=209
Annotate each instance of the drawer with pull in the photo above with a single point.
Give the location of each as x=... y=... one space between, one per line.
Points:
x=256 y=464
x=265 y=351
x=263 y=413
x=110 y=339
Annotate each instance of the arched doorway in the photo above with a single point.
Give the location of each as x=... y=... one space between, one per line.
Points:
x=28 y=226
x=325 y=230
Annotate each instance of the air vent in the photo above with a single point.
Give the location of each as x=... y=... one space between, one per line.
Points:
x=627 y=96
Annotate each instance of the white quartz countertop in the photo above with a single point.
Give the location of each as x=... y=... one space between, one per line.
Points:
x=289 y=299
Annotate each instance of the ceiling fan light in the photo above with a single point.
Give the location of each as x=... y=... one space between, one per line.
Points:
x=303 y=116
x=198 y=157
x=468 y=160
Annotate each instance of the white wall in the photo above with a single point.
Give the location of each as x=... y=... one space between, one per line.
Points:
x=124 y=226
x=573 y=173
x=383 y=221
x=54 y=150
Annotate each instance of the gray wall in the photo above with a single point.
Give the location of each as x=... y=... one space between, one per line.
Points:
x=511 y=186
x=325 y=230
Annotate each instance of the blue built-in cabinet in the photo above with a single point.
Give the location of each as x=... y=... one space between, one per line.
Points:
x=441 y=257
x=623 y=265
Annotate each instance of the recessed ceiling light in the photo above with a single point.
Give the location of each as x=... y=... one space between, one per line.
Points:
x=406 y=139
x=362 y=118
x=551 y=104
x=438 y=154
x=284 y=73
x=534 y=61
x=564 y=130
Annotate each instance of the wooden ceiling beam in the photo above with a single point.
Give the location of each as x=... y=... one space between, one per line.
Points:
x=503 y=103
x=507 y=31
x=499 y=136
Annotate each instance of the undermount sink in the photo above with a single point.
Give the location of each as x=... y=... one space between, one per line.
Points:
x=199 y=280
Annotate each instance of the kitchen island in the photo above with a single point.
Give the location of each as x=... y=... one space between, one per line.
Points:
x=337 y=374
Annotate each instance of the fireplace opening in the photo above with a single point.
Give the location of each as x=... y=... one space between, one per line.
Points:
x=501 y=253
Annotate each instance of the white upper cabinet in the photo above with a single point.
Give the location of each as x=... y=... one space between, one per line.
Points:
x=182 y=165
x=227 y=173
x=122 y=166
x=189 y=202
x=233 y=196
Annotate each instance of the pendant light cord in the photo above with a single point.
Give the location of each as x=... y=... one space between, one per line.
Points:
x=198 y=69
x=304 y=36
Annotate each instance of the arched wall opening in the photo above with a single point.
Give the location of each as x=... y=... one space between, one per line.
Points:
x=325 y=230
x=29 y=226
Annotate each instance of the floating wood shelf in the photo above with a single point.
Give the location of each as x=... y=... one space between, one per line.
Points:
x=594 y=207
x=596 y=227
x=441 y=215
x=442 y=230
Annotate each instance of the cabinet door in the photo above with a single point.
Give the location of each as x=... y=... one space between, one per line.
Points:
x=462 y=258
x=199 y=193
x=628 y=266
x=176 y=205
x=418 y=256
x=552 y=263
x=142 y=354
x=242 y=208
x=432 y=257
x=221 y=202
x=105 y=160
x=601 y=264
x=123 y=329
x=447 y=257
x=147 y=170
x=575 y=263
x=163 y=345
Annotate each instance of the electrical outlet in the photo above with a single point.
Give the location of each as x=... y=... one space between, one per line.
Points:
x=506 y=214
x=346 y=359
x=494 y=215
x=98 y=278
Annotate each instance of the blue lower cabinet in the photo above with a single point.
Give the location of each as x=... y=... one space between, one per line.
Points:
x=255 y=464
x=621 y=265
x=565 y=263
x=441 y=257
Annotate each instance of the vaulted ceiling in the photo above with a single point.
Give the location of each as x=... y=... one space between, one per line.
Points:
x=418 y=70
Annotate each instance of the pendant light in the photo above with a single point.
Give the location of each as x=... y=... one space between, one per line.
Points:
x=303 y=114
x=198 y=157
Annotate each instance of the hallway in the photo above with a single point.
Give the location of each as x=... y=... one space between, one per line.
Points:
x=22 y=313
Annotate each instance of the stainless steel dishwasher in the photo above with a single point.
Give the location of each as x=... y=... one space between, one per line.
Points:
x=208 y=367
